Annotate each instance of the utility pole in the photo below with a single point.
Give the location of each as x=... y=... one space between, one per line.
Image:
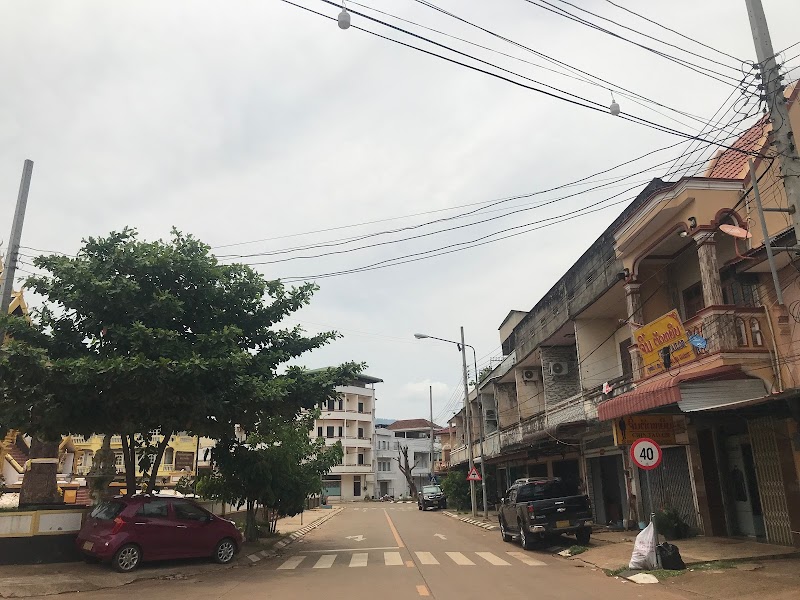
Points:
x=10 y=267
x=782 y=134
x=467 y=411
x=480 y=422
x=767 y=240
x=430 y=395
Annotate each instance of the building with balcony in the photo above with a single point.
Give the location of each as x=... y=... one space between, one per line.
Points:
x=350 y=419
x=666 y=327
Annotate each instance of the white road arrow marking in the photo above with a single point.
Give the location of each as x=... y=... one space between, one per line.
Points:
x=440 y=536
x=357 y=538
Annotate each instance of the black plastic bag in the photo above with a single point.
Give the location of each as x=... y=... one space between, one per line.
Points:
x=670 y=557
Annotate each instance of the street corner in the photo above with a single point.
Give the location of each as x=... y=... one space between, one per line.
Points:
x=488 y=525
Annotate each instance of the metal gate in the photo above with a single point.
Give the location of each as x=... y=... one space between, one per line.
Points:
x=770 y=480
x=671 y=485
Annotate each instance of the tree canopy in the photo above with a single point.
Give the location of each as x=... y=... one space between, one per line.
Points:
x=139 y=338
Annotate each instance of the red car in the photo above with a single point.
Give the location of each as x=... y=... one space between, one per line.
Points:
x=129 y=530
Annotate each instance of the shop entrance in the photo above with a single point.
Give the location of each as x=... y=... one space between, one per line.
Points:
x=748 y=517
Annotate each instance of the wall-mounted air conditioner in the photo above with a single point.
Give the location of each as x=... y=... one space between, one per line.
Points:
x=530 y=375
x=559 y=368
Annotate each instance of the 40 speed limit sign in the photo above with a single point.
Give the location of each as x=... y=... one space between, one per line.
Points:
x=646 y=454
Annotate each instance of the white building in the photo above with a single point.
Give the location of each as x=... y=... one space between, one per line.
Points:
x=350 y=419
x=411 y=433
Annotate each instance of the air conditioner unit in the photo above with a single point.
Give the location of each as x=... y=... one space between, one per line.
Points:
x=491 y=415
x=530 y=375
x=559 y=368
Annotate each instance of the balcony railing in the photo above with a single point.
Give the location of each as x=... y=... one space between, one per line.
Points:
x=730 y=328
x=440 y=466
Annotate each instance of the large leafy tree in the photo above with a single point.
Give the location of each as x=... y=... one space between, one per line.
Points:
x=145 y=339
x=276 y=467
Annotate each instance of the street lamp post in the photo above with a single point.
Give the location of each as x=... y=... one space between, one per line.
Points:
x=462 y=346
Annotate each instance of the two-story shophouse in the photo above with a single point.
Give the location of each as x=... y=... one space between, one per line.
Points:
x=668 y=327
x=350 y=419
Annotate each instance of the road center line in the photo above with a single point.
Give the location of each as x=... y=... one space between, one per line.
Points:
x=423 y=590
x=396 y=535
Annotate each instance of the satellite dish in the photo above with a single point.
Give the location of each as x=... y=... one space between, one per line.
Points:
x=737 y=232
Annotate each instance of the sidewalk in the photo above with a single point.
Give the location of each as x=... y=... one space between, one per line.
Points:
x=22 y=581
x=611 y=549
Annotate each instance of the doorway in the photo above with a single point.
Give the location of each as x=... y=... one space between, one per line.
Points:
x=607 y=487
x=748 y=517
x=357 y=486
x=383 y=488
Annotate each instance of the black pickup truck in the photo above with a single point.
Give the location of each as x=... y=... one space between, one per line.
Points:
x=535 y=508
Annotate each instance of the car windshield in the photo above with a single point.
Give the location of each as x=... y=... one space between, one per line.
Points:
x=431 y=489
x=106 y=511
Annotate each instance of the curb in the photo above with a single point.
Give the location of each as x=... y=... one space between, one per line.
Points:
x=257 y=556
x=482 y=524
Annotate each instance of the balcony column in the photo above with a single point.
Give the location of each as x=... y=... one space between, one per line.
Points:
x=633 y=302
x=717 y=328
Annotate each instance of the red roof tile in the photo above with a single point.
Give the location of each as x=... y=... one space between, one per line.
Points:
x=412 y=424
x=729 y=164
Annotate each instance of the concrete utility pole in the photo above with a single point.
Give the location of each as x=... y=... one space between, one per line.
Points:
x=480 y=425
x=430 y=395
x=10 y=267
x=772 y=85
x=467 y=411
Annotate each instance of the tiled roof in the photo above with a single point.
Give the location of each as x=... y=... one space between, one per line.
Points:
x=730 y=164
x=412 y=424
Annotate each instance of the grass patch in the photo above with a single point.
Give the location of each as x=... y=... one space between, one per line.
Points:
x=575 y=550
x=615 y=572
x=662 y=574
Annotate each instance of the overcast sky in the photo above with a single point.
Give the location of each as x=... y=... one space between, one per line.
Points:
x=252 y=120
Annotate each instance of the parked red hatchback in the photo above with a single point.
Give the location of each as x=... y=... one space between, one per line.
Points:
x=129 y=530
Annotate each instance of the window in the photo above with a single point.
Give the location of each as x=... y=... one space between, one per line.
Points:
x=361 y=458
x=741 y=332
x=361 y=433
x=189 y=512
x=741 y=289
x=339 y=402
x=693 y=300
x=330 y=405
x=107 y=510
x=755 y=332
x=118 y=460
x=169 y=457
x=543 y=490
x=361 y=407
x=340 y=431
x=154 y=508
x=319 y=431
x=329 y=431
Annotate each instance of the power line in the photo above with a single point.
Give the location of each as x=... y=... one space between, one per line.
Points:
x=675 y=32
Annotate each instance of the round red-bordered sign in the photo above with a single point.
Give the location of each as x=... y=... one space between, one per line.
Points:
x=646 y=454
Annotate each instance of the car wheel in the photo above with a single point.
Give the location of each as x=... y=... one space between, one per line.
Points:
x=525 y=538
x=507 y=537
x=127 y=558
x=224 y=552
x=582 y=536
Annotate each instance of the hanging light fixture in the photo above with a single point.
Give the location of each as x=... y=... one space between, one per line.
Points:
x=344 y=17
x=614 y=108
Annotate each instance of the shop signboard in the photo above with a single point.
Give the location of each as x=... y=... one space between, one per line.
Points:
x=665 y=332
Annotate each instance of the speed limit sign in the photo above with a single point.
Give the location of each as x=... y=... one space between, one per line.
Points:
x=646 y=454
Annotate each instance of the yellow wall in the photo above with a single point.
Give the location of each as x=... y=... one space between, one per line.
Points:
x=179 y=443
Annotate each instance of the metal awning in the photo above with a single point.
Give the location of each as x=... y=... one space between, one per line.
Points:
x=666 y=391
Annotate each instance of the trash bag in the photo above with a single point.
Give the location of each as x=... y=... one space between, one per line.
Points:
x=670 y=557
x=644 y=550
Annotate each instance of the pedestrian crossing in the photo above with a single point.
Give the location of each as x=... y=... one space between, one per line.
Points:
x=385 y=507
x=396 y=559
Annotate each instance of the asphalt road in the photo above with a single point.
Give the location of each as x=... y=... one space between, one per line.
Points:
x=395 y=552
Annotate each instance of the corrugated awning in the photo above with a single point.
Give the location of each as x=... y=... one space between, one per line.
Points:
x=663 y=392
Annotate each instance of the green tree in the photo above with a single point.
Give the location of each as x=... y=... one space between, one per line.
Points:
x=456 y=487
x=277 y=467
x=146 y=339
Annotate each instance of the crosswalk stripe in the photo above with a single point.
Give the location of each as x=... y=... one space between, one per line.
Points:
x=459 y=558
x=359 y=559
x=292 y=562
x=525 y=558
x=426 y=558
x=492 y=559
x=325 y=561
x=392 y=559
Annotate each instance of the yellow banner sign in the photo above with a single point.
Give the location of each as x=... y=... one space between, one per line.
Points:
x=659 y=428
x=666 y=331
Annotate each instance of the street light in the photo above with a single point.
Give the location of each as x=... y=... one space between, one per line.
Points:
x=462 y=346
